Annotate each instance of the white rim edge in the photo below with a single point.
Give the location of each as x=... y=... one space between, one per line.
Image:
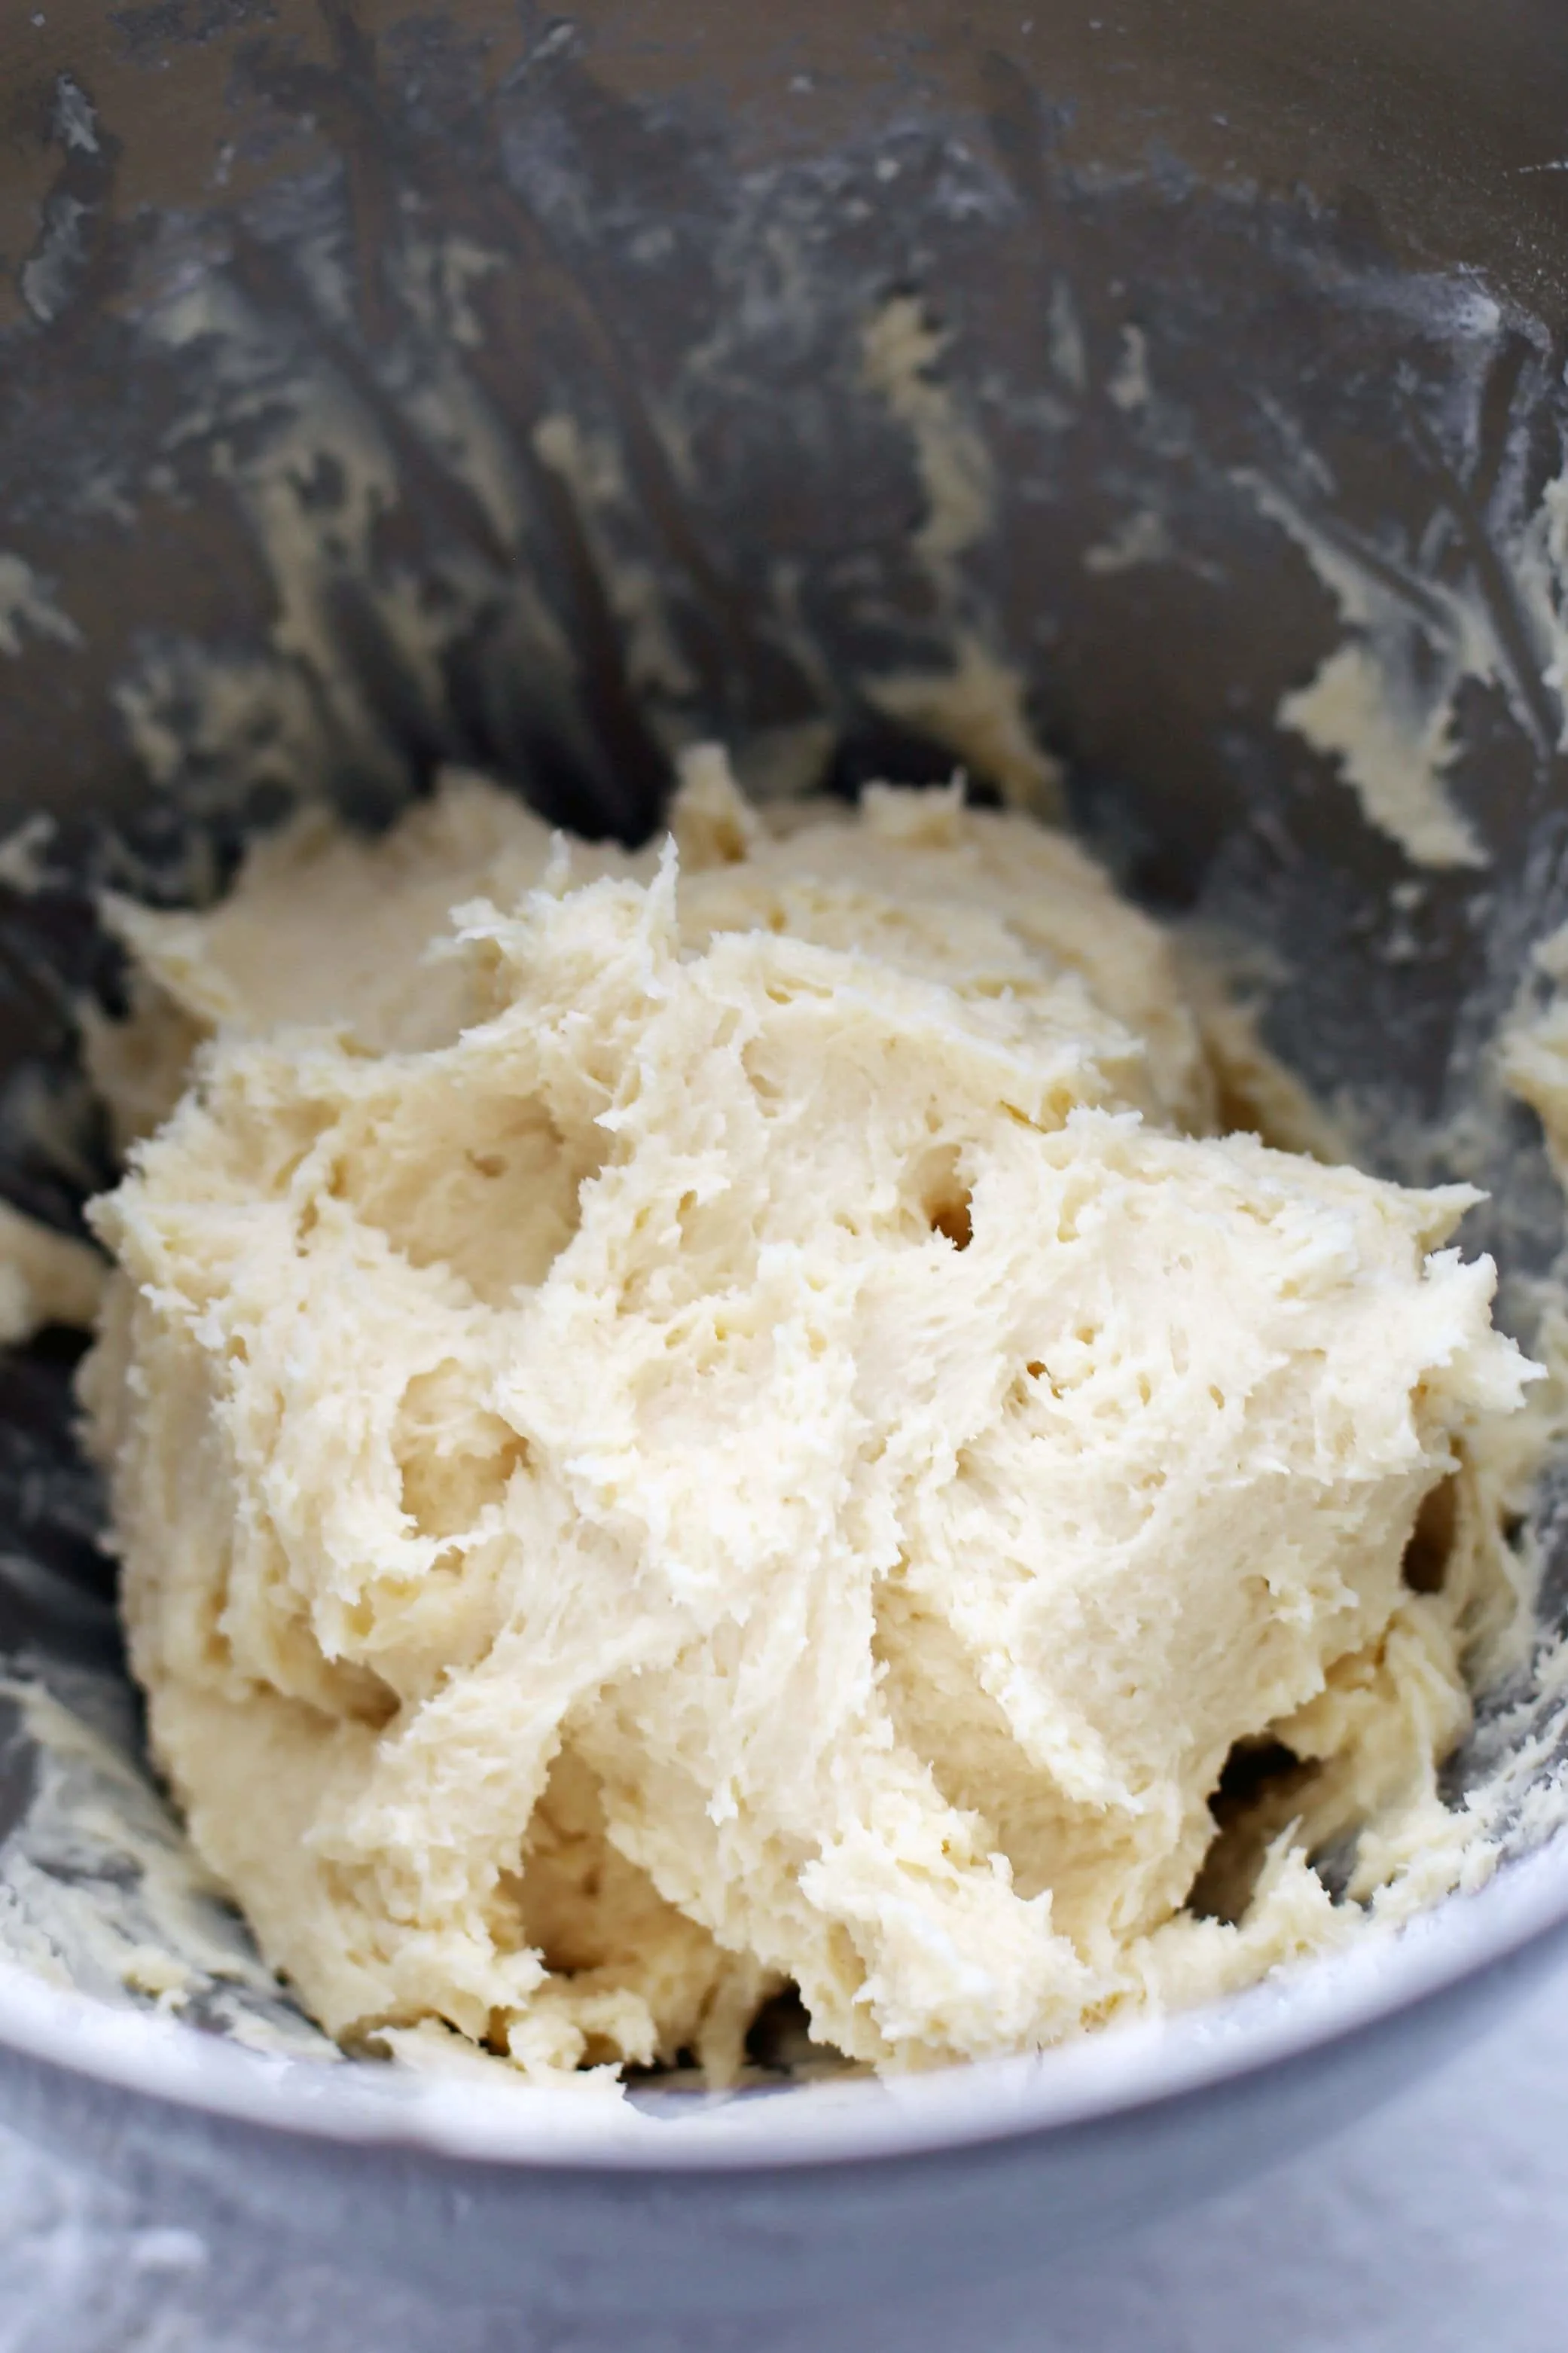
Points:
x=365 y=2104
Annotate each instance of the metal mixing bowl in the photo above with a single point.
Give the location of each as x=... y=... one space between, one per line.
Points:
x=386 y=385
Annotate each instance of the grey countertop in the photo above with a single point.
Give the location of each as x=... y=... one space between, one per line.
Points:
x=1440 y=2226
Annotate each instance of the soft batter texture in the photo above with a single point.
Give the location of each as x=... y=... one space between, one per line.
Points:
x=721 y=1418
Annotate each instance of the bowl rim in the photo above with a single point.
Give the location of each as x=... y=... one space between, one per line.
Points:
x=1092 y=2079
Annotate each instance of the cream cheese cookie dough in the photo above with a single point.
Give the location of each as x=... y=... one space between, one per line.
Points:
x=688 y=1423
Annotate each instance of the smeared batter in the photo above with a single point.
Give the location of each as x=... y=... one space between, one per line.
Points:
x=45 y=1278
x=723 y=1418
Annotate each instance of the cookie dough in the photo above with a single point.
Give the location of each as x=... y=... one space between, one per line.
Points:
x=724 y=1419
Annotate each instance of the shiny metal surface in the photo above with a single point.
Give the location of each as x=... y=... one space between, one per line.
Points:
x=384 y=386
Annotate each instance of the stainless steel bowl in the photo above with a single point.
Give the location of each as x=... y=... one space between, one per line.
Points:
x=384 y=386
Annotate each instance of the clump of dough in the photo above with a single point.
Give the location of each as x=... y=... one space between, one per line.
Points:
x=721 y=1419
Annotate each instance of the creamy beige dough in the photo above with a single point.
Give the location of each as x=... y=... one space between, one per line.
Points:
x=45 y=1278
x=723 y=1419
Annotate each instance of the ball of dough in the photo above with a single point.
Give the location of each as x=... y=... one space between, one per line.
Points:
x=717 y=1419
